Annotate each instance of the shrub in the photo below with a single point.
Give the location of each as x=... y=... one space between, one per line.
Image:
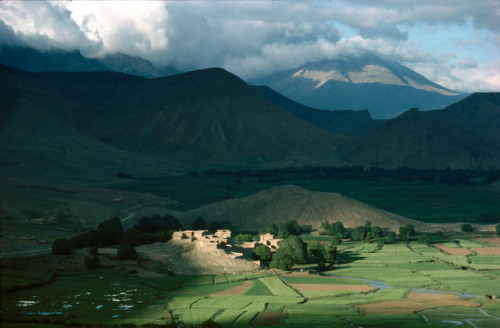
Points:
x=91 y=262
x=62 y=246
x=262 y=252
x=126 y=252
x=466 y=227
x=210 y=324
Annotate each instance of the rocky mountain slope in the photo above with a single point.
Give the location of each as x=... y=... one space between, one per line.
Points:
x=291 y=202
x=367 y=81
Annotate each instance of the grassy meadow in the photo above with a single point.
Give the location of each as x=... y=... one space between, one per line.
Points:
x=372 y=286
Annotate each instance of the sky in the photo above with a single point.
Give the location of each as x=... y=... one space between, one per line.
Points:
x=455 y=43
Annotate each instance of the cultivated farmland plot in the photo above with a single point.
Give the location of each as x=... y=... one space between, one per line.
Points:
x=448 y=289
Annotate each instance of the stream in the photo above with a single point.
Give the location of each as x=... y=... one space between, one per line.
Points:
x=383 y=285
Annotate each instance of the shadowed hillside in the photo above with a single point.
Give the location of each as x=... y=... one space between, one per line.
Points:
x=479 y=113
x=203 y=117
x=345 y=122
x=420 y=140
x=291 y=202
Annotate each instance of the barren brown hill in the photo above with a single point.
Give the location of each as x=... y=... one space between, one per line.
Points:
x=295 y=203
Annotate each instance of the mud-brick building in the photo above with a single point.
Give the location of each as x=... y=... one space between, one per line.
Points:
x=269 y=240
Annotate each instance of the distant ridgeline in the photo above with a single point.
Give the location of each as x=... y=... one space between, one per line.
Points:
x=445 y=176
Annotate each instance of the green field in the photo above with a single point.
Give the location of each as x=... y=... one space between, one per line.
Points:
x=111 y=298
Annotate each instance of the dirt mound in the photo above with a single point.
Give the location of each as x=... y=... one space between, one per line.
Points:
x=295 y=203
x=185 y=258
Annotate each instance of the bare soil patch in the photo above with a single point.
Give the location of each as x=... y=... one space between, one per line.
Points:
x=268 y=318
x=328 y=288
x=237 y=290
x=487 y=251
x=440 y=299
x=493 y=240
x=393 y=307
x=454 y=250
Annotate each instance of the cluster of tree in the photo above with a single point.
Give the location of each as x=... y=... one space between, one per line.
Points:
x=147 y=231
x=286 y=229
x=157 y=223
x=200 y=224
x=322 y=253
x=123 y=175
x=447 y=175
x=109 y=232
x=92 y=259
x=292 y=250
x=489 y=217
x=242 y=237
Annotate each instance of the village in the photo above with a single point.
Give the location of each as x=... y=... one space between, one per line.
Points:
x=221 y=239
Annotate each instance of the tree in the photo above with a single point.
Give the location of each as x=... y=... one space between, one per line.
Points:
x=199 y=224
x=214 y=226
x=358 y=234
x=126 y=252
x=467 y=227
x=62 y=246
x=368 y=227
x=295 y=247
x=406 y=231
x=282 y=260
x=91 y=262
x=110 y=232
x=262 y=252
x=368 y=237
x=376 y=231
x=391 y=237
x=425 y=239
x=497 y=229
x=210 y=324
x=94 y=251
x=315 y=248
x=336 y=239
x=330 y=254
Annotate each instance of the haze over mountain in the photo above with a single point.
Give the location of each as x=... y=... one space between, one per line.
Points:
x=385 y=88
x=284 y=203
x=345 y=122
x=57 y=60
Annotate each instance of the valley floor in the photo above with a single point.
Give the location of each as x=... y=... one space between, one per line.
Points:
x=398 y=285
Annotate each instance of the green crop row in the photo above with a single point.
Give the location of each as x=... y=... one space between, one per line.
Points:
x=278 y=287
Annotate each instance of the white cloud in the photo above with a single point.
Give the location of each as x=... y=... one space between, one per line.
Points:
x=252 y=38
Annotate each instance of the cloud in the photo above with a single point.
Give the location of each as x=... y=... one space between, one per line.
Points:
x=252 y=39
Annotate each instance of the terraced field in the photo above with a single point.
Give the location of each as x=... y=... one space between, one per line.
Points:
x=413 y=285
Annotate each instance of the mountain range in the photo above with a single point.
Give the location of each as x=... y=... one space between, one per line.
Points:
x=384 y=88
x=92 y=124
x=363 y=82
x=57 y=60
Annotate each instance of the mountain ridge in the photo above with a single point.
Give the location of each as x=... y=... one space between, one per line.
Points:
x=366 y=81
